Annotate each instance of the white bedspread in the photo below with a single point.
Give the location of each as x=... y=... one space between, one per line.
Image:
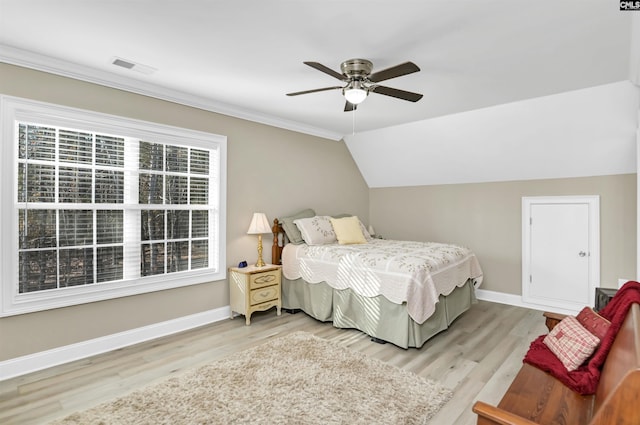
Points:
x=401 y=271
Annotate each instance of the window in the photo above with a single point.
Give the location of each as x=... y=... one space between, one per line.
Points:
x=102 y=206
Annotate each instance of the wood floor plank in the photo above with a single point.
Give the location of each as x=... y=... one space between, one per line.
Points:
x=477 y=358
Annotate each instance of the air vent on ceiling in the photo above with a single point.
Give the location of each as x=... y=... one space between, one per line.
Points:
x=124 y=63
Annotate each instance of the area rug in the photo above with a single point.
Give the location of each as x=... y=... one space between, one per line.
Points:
x=295 y=379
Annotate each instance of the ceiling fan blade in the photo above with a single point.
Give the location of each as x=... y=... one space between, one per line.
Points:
x=320 y=67
x=314 y=90
x=400 y=94
x=394 y=71
x=348 y=106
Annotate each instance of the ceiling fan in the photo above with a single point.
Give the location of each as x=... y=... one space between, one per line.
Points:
x=359 y=81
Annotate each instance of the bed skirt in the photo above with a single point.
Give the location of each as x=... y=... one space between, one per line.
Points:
x=375 y=316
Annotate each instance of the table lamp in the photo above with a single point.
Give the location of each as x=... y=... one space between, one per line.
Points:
x=259 y=225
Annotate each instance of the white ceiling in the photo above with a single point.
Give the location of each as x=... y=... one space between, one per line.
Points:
x=241 y=57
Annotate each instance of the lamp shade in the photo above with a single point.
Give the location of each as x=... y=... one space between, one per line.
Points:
x=259 y=224
x=355 y=96
x=355 y=92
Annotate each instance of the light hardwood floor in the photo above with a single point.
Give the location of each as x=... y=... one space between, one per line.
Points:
x=477 y=357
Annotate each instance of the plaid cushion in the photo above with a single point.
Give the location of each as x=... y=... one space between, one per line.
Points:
x=571 y=342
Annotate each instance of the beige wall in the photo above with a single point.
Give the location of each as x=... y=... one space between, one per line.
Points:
x=280 y=172
x=487 y=218
x=271 y=170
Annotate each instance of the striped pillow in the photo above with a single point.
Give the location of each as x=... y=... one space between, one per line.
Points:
x=571 y=343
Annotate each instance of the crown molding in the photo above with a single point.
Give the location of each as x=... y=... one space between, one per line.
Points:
x=27 y=59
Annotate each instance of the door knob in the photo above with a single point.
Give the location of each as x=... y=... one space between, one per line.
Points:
x=582 y=253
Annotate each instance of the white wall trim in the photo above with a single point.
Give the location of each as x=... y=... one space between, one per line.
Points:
x=33 y=362
x=516 y=300
x=68 y=353
x=14 y=56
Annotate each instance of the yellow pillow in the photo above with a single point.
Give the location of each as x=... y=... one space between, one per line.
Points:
x=348 y=230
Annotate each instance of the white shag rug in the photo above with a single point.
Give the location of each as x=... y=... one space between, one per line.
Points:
x=295 y=379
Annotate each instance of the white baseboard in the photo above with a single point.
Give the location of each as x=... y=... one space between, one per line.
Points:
x=516 y=300
x=44 y=359
x=57 y=356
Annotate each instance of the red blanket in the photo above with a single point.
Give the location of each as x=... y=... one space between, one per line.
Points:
x=584 y=380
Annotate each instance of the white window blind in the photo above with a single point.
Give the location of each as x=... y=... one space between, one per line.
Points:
x=104 y=206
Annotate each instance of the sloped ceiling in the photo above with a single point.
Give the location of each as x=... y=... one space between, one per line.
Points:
x=241 y=57
x=586 y=132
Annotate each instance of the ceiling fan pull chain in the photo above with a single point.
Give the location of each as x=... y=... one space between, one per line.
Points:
x=353 y=120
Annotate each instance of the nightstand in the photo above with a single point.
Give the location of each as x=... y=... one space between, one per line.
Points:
x=254 y=289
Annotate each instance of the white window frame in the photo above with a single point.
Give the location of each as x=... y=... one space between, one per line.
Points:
x=12 y=110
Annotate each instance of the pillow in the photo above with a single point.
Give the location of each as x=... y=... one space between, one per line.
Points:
x=342 y=215
x=293 y=234
x=316 y=230
x=363 y=228
x=365 y=232
x=571 y=342
x=593 y=322
x=348 y=230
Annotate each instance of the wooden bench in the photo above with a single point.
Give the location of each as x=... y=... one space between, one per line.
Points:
x=535 y=397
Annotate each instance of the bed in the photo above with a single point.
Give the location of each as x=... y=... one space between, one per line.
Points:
x=402 y=292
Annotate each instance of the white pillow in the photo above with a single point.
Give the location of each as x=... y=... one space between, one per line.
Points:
x=316 y=230
x=365 y=232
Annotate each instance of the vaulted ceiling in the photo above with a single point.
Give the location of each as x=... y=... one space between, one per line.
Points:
x=241 y=57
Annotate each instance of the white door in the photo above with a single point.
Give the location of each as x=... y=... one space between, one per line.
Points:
x=561 y=252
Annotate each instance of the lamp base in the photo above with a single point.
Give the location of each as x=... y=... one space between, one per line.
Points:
x=260 y=262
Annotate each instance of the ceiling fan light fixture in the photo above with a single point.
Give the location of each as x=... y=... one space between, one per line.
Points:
x=355 y=92
x=356 y=74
